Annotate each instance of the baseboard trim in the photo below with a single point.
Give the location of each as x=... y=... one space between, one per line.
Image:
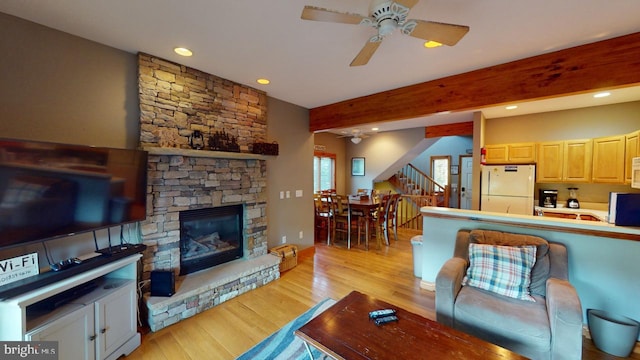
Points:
x=306 y=253
x=427 y=285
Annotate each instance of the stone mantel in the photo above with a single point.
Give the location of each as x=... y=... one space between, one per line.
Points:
x=203 y=153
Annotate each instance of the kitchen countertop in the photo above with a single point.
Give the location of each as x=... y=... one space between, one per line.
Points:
x=596 y=228
x=599 y=214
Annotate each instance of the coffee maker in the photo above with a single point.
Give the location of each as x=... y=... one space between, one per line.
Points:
x=572 y=201
x=547 y=198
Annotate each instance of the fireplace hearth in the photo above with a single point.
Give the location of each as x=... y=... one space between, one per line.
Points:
x=210 y=237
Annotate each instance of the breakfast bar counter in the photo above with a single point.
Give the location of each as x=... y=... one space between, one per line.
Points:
x=603 y=258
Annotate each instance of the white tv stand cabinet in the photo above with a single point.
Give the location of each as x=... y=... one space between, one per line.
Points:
x=100 y=325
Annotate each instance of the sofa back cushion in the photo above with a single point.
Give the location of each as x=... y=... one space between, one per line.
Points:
x=540 y=271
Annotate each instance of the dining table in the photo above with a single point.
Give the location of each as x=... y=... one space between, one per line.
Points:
x=367 y=206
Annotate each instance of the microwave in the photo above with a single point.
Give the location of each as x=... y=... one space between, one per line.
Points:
x=635 y=173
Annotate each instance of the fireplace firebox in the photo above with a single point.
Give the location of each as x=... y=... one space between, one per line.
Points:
x=210 y=236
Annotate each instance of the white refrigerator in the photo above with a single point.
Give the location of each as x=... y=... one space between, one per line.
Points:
x=507 y=188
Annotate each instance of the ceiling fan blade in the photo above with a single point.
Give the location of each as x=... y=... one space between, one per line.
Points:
x=447 y=34
x=320 y=14
x=367 y=51
x=407 y=3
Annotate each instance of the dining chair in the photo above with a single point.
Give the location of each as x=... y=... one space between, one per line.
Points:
x=344 y=222
x=381 y=220
x=323 y=215
x=392 y=216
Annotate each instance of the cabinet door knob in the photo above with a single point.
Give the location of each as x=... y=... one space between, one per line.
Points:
x=104 y=330
x=92 y=337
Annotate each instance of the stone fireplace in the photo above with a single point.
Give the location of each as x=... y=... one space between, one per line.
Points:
x=210 y=237
x=175 y=101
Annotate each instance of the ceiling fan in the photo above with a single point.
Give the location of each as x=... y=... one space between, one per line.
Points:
x=356 y=136
x=387 y=16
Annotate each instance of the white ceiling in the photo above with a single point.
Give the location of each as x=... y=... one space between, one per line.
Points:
x=308 y=61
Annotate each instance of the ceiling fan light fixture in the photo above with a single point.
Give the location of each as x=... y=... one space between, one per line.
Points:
x=432 y=44
x=356 y=140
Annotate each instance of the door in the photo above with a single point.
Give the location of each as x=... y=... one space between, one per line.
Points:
x=73 y=332
x=466 y=181
x=116 y=320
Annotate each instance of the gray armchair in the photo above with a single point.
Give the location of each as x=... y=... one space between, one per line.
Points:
x=549 y=328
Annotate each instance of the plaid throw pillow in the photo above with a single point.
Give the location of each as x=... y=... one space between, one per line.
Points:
x=19 y=192
x=504 y=270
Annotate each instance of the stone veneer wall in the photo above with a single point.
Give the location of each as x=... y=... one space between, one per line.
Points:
x=175 y=100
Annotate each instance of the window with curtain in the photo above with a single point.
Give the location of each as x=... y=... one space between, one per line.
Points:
x=324 y=171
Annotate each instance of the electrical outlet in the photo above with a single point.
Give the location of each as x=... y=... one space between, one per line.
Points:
x=284 y=239
x=301 y=235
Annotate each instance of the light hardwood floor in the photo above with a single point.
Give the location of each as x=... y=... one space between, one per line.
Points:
x=231 y=328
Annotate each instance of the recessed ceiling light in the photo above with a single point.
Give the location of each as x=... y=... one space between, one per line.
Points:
x=374 y=129
x=602 y=94
x=183 y=51
x=263 y=81
x=511 y=107
x=432 y=44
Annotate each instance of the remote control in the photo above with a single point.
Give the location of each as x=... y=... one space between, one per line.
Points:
x=381 y=313
x=386 y=319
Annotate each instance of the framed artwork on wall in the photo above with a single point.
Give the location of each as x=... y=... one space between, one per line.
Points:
x=357 y=166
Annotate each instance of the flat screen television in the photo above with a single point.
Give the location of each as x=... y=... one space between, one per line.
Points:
x=50 y=190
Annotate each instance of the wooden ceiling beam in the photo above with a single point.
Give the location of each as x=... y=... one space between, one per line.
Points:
x=606 y=64
x=457 y=129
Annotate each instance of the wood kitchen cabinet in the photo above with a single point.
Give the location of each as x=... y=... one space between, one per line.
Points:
x=564 y=161
x=550 y=161
x=632 y=149
x=519 y=153
x=609 y=159
x=576 y=167
x=496 y=154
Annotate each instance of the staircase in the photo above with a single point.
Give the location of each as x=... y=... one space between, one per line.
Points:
x=418 y=189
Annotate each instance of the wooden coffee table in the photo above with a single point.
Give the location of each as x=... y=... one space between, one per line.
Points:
x=344 y=331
